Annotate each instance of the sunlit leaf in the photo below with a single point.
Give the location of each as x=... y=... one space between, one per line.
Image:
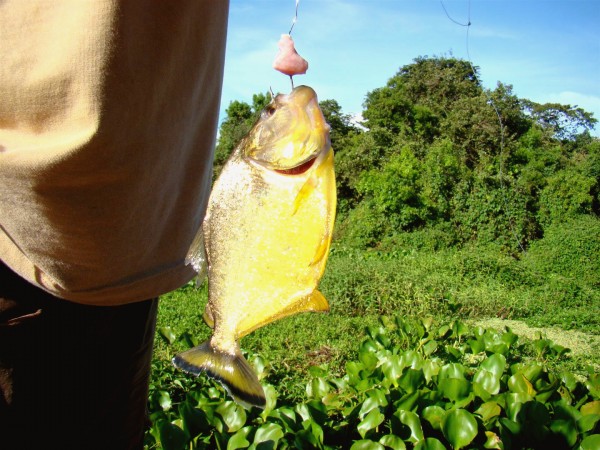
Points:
x=495 y=363
x=412 y=421
x=588 y=422
x=488 y=381
x=267 y=433
x=393 y=442
x=233 y=415
x=452 y=370
x=493 y=441
x=411 y=380
x=488 y=411
x=430 y=443
x=455 y=389
x=519 y=384
x=370 y=422
x=591 y=408
x=167 y=334
x=366 y=444
x=164 y=400
x=239 y=439
x=392 y=368
x=434 y=415
x=271 y=400
x=317 y=388
x=591 y=442
x=459 y=427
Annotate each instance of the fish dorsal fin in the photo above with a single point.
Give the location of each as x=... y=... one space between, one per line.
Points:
x=196 y=256
x=208 y=316
x=233 y=371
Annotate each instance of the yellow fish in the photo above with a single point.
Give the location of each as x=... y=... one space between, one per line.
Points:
x=265 y=236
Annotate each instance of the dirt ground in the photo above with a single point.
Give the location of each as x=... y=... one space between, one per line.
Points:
x=581 y=344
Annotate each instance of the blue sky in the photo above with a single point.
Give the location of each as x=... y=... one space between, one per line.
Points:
x=548 y=50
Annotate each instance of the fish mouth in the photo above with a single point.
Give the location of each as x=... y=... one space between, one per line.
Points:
x=300 y=168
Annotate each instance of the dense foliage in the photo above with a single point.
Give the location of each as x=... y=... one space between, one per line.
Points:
x=456 y=203
x=415 y=384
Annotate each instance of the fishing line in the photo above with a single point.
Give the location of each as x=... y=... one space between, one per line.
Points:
x=498 y=115
x=295 y=18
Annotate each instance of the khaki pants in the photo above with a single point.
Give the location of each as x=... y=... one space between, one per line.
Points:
x=71 y=376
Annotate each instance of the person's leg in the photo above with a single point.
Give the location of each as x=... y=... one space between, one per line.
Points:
x=71 y=376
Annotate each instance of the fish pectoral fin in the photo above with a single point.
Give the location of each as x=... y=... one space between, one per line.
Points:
x=232 y=371
x=307 y=188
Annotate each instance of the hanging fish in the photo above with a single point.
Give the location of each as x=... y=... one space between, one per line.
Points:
x=266 y=236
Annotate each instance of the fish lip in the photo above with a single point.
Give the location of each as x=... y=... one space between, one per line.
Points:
x=300 y=168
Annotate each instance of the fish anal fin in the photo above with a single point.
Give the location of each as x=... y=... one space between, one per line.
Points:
x=231 y=370
x=315 y=302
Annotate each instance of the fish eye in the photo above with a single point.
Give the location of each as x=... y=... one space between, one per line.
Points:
x=269 y=110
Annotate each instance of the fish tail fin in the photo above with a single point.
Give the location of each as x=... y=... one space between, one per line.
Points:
x=233 y=371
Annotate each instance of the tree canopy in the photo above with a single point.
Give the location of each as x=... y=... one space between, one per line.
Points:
x=437 y=151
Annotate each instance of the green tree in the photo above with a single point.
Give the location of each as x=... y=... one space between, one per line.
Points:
x=565 y=122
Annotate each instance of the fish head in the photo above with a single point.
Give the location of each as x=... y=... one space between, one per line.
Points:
x=290 y=133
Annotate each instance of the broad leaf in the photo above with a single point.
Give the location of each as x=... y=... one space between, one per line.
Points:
x=459 y=427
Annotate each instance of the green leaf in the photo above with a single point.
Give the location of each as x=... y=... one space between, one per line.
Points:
x=591 y=442
x=430 y=444
x=459 y=427
x=431 y=368
x=412 y=421
x=366 y=444
x=371 y=421
x=588 y=422
x=455 y=389
x=271 y=397
x=566 y=428
x=411 y=380
x=514 y=403
x=167 y=334
x=233 y=415
x=239 y=439
x=488 y=381
x=495 y=363
x=519 y=384
x=393 y=442
x=194 y=419
x=434 y=415
x=392 y=368
x=493 y=441
x=172 y=437
x=488 y=411
x=452 y=370
x=408 y=401
x=164 y=400
x=269 y=432
x=591 y=408
x=430 y=347
x=317 y=388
